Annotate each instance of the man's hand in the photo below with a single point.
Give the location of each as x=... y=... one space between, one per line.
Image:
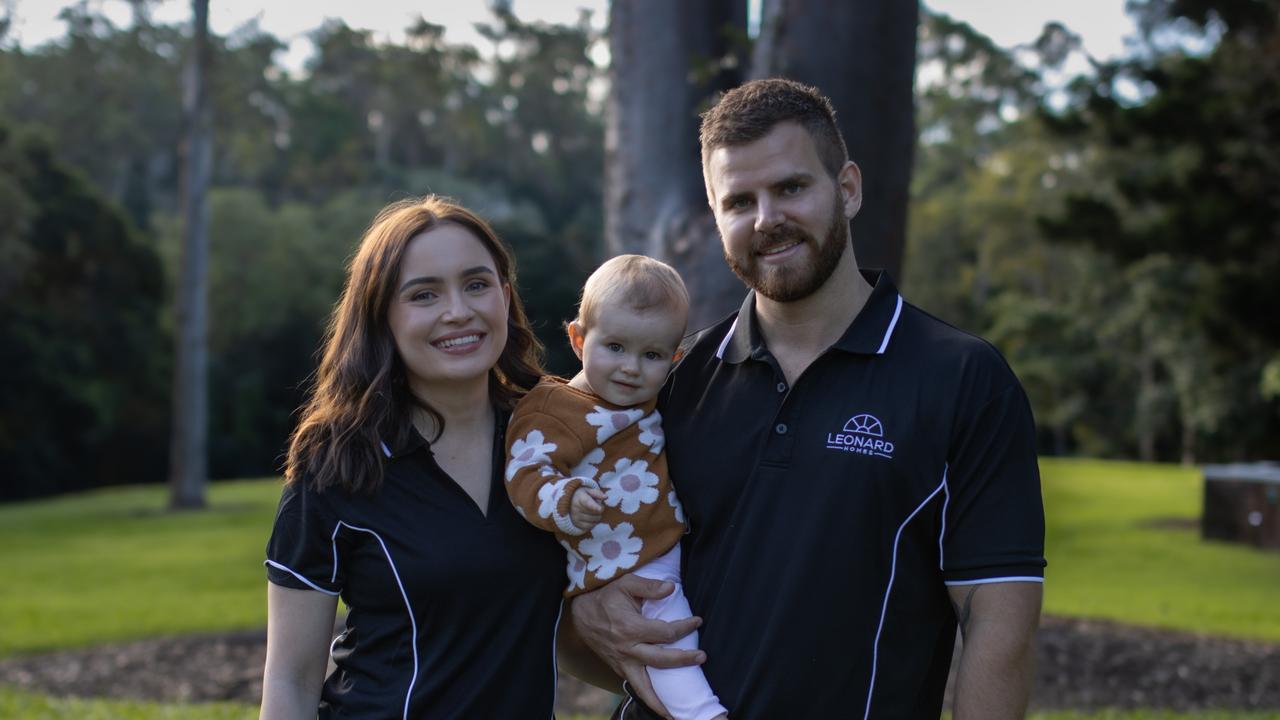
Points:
x=585 y=508
x=610 y=623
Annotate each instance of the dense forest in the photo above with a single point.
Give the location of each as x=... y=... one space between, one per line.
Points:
x=1116 y=234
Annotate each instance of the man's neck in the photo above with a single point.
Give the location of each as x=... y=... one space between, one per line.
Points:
x=797 y=332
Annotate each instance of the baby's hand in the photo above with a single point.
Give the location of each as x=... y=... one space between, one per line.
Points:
x=585 y=509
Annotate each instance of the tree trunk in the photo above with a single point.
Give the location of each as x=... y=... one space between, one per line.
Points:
x=861 y=54
x=1188 y=441
x=1146 y=411
x=668 y=63
x=188 y=451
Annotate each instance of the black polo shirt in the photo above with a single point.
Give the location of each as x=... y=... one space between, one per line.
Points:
x=452 y=613
x=828 y=517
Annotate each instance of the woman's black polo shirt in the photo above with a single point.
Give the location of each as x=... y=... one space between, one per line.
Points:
x=827 y=519
x=452 y=613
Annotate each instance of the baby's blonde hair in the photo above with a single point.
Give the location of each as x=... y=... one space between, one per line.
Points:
x=634 y=281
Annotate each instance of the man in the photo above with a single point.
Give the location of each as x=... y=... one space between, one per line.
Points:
x=858 y=476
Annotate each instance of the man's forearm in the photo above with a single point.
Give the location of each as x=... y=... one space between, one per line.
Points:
x=579 y=660
x=997 y=660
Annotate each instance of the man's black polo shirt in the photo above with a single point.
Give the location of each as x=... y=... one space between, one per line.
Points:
x=452 y=611
x=827 y=518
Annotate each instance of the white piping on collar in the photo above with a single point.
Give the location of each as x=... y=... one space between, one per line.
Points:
x=727 y=337
x=888 y=333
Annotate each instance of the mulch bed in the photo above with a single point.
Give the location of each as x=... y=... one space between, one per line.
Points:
x=1082 y=664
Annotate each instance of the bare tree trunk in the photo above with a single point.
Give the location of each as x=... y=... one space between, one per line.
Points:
x=1146 y=411
x=188 y=451
x=766 y=54
x=1188 y=441
x=667 y=65
x=862 y=55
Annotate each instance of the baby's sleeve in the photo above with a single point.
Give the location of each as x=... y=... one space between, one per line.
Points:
x=541 y=453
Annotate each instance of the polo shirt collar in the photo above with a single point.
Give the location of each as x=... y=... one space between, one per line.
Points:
x=868 y=334
x=394 y=448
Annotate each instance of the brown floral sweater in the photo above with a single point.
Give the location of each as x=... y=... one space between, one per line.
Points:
x=561 y=439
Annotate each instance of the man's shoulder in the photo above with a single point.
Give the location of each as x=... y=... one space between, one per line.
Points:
x=708 y=342
x=943 y=350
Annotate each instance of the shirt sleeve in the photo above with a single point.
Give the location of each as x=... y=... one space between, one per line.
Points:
x=994 y=514
x=301 y=553
x=539 y=478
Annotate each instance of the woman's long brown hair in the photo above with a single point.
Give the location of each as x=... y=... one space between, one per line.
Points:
x=360 y=397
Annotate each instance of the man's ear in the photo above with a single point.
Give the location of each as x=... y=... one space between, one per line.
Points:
x=577 y=334
x=850 y=181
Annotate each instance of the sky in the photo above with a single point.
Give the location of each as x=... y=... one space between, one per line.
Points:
x=1102 y=24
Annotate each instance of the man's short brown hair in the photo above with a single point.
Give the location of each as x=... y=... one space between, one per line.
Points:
x=750 y=111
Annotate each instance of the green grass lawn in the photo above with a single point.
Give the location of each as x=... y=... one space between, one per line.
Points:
x=1153 y=715
x=1123 y=543
x=112 y=565
x=29 y=706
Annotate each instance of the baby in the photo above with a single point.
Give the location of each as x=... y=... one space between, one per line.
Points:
x=586 y=456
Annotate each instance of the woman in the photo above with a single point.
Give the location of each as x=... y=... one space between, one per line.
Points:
x=393 y=498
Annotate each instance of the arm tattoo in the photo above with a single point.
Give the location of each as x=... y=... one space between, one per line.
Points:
x=964 y=611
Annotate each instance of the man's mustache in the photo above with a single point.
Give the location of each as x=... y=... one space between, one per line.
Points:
x=779 y=236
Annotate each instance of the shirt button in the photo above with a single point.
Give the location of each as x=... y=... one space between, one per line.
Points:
x=781 y=428
x=782 y=387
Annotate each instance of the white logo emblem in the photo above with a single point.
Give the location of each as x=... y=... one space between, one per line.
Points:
x=862 y=434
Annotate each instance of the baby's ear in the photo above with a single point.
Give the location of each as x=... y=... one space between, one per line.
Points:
x=577 y=334
x=679 y=353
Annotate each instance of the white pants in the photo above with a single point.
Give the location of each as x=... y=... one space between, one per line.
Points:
x=683 y=690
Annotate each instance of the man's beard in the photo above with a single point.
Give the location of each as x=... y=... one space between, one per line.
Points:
x=795 y=282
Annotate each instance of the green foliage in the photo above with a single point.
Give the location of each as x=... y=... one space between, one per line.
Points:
x=1145 y=336
x=1183 y=197
x=274 y=274
x=81 y=395
x=1123 y=543
x=301 y=165
x=976 y=257
x=1271 y=379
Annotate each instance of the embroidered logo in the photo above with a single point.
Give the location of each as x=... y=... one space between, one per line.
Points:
x=862 y=434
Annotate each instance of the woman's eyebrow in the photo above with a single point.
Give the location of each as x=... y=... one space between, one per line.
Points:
x=432 y=279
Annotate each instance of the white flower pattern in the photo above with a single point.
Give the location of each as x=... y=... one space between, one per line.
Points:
x=611 y=422
x=675 y=505
x=611 y=549
x=629 y=485
x=651 y=432
x=576 y=568
x=549 y=497
x=587 y=468
x=532 y=449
